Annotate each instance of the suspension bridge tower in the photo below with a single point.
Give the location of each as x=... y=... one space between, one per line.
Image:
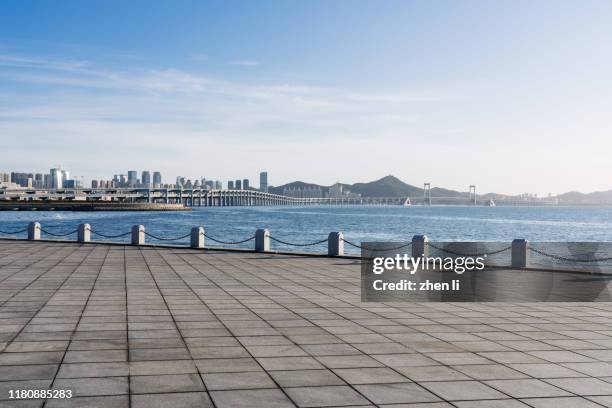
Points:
x=473 y=194
x=427 y=194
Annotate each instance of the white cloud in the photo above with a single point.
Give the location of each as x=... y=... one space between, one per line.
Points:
x=245 y=63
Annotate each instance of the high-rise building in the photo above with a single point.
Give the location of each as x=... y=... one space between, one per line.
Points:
x=238 y=184
x=55 y=178
x=123 y=180
x=5 y=178
x=245 y=184
x=72 y=183
x=65 y=176
x=132 y=178
x=38 y=181
x=157 y=179
x=230 y=185
x=22 y=179
x=263 y=181
x=94 y=183
x=218 y=185
x=146 y=179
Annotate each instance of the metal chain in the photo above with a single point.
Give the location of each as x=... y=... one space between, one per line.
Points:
x=449 y=251
x=562 y=258
x=110 y=236
x=58 y=235
x=13 y=232
x=167 y=239
x=299 y=245
x=230 y=242
x=376 y=249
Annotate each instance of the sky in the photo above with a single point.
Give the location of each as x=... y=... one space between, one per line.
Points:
x=513 y=96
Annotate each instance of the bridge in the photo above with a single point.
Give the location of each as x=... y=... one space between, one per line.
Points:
x=189 y=197
x=197 y=197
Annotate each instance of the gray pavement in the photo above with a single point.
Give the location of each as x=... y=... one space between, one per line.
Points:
x=123 y=326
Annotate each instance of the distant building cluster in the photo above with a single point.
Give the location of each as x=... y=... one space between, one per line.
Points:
x=335 y=191
x=57 y=178
x=338 y=191
x=303 y=192
x=131 y=180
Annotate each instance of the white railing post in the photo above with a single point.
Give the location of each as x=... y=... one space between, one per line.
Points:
x=34 y=231
x=420 y=246
x=335 y=244
x=197 y=237
x=262 y=240
x=84 y=233
x=520 y=253
x=138 y=234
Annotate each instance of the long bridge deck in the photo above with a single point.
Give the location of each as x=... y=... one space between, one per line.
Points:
x=213 y=198
x=125 y=326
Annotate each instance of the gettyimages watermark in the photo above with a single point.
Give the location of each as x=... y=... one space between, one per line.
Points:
x=484 y=272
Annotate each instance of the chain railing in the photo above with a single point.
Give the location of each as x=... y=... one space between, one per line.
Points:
x=218 y=241
x=472 y=255
x=110 y=236
x=299 y=245
x=566 y=259
x=262 y=238
x=13 y=232
x=54 y=234
x=166 y=239
x=376 y=249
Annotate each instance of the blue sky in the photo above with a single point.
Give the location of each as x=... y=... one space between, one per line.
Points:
x=511 y=96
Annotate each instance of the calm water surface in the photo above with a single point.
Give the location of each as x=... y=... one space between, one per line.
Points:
x=309 y=224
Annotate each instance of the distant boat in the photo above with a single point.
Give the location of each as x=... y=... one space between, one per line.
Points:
x=491 y=203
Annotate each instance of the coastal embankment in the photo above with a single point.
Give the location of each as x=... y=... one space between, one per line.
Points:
x=87 y=206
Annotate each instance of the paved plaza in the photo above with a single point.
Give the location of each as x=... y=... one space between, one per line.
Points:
x=122 y=326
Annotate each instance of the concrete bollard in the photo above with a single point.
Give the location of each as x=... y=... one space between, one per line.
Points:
x=197 y=237
x=335 y=244
x=262 y=240
x=84 y=233
x=420 y=246
x=138 y=234
x=520 y=253
x=34 y=231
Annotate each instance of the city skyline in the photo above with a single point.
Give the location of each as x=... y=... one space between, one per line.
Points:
x=511 y=97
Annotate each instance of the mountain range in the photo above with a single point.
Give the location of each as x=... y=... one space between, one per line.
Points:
x=391 y=186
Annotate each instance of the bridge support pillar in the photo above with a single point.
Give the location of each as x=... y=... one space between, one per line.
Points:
x=84 y=233
x=335 y=244
x=520 y=253
x=197 y=237
x=138 y=234
x=262 y=240
x=420 y=246
x=34 y=231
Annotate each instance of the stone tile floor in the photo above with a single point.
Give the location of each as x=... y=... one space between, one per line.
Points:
x=122 y=326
